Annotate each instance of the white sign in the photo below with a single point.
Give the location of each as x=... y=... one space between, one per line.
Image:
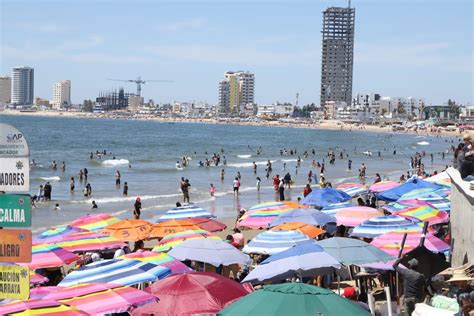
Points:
x=15 y=174
x=12 y=142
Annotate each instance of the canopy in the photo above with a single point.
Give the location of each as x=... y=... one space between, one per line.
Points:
x=304 y=215
x=377 y=226
x=271 y=242
x=299 y=260
x=309 y=230
x=183 y=212
x=353 y=251
x=87 y=241
x=172 y=226
x=260 y=215
x=353 y=189
x=411 y=184
x=49 y=256
x=293 y=299
x=215 y=252
x=129 y=229
x=94 y=222
x=390 y=242
x=172 y=240
x=124 y=272
x=425 y=214
x=159 y=258
x=355 y=215
x=383 y=186
x=191 y=294
x=323 y=197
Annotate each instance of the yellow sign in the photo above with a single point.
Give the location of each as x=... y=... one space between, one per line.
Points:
x=14 y=282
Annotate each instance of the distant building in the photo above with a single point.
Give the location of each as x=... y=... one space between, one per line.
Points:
x=112 y=101
x=134 y=103
x=42 y=103
x=236 y=92
x=393 y=107
x=5 y=89
x=22 y=86
x=61 y=94
x=337 y=55
x=275 y=110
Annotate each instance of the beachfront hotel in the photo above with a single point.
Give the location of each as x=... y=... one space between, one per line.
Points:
x=22 y=85
x=5 y=89
x=61 y=94
x=337 y=55
x=236 y=91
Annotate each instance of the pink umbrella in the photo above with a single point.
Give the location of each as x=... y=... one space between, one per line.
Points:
x=390 y=242
x=41 y=291
x=50 y=256
x=383 y=186
x=426 y=214
x=36 y=278
x=355 y=215
x=40 y=307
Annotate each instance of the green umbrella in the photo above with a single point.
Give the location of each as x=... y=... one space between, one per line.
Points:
x=293 y=299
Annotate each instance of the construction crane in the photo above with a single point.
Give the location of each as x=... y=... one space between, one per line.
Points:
x=139 y=82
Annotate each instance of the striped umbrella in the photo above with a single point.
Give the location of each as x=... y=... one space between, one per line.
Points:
x=390 y=242
x=39 y=307
x=441 y=178
x=129 y=229
x=305 y=215
x=56 y=234
x=309 y=230
x=377 y=226
x=172 y=240
x=353 y=216
x=50 y=256
x=159 y=258
x=424 y=192
x=260 y=215
x=332 y=209
x=99 y=299
x=87 y=241
x=172 y=226
x=394 y=207
x=183 y=212
x=383 y=186
x=271 y=242
x=123 y=272
x=425 y=214
x=353 y=189
x=94 y=222
x=442 y=204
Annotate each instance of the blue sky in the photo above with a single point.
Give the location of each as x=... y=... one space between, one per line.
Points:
x=402 y=47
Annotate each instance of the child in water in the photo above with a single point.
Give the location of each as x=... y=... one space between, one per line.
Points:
x=212 y=189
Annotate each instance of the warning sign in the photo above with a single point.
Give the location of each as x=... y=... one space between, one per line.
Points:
x=14 y=282
x=15 y=245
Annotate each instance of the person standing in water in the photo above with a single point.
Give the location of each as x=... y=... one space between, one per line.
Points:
x=72 y=185
x=117 y=178
x=94 y=205
x=125 y=189
x=63 y=167
x=137 y=207
x=81 y=175
x=281 y=189
x=236 y=186
x=258 y=183
x=212 y=189
x=222 y=174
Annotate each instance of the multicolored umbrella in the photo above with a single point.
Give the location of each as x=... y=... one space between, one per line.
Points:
x=377 y=226
x=383 y=186
x=441 y=178
x=211 y=225
x=394 y=207
x=87 y=241
x=424 y=192
x=183 y=212
x=425 y=214
x=172 y=226
x=355 y=215
x=172 y=240
x=309 y=230
x=308 y=216
x=117 y=271
x=159 y=258
x=56 y=234
x=99 y=299
x=94 y=222
x=332 y=209
x=390 y=242
x=260 y=215
x=129 y=229
x=39 y=307
x=271 y=242
x=36 y=278
x=353 y=189
x=326 y=196
x=50 y=256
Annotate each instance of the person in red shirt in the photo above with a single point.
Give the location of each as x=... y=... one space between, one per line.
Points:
x=307 y=190
x=276 y=181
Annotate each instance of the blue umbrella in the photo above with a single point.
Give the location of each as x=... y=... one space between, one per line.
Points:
x=304 y=215
x=183 y=212
x=274 y=241
x=300 y=260
x=412 y=184
x=353 y=251
x=332 y=209
x=323 y=197
x=379 y=225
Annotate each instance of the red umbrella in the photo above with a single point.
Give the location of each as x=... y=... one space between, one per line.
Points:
x=191 y=293
x=211 y=225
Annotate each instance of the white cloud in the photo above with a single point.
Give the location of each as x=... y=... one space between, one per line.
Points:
x=176 y=26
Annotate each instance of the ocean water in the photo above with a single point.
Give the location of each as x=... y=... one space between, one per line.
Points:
x=146 y=152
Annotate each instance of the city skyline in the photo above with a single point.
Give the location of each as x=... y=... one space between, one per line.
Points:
x=401 y=48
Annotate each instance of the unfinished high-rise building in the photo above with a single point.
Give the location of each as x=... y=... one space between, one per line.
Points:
x=337 y=55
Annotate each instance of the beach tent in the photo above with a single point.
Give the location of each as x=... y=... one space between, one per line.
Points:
x=412 y=184
x=323 y=197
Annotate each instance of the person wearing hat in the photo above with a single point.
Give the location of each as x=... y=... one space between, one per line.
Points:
x=351 y=294
x=413 y=284
x=459 y=283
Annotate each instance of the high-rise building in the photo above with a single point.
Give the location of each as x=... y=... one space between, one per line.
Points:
x=337 y=55
x=246 y=89
x=5 y=89
x=236 y=91
x=23 y=80
x=61 y=94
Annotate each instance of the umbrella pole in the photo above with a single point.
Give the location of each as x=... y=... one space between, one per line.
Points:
x=423 y=235
x=338 y=284
x=396 y=273
x=389 y=300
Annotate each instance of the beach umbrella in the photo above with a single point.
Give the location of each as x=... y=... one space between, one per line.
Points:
x=172 y=240
x=353 y=251
x=123 y=272
x=377 y=226
x=159 y=258
x=56 y=234
x=94 y=222
x=323 y=197
x=39 y=307
x=212 y=251
x=383 y=186
x=260 y=215
x=410 y=185
x=442 y=204
x=333 y=208
x=353 y=189
x=36 y=278
x=271 y=242
x=41 y=291
x=355 y=215
x=390 y=242
x=50 y=256
x=192 y=294
x=440 y=178
x=211 y=225
x=394 y=207
x=87 y=241
x=309 y=230
x=129 y=229
x=304 y=215
x=424 y=192
x=293 y=299
x=300 y=260
x=172 y=226
x=100 y=299
x=184 y=212
x=425 y=214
